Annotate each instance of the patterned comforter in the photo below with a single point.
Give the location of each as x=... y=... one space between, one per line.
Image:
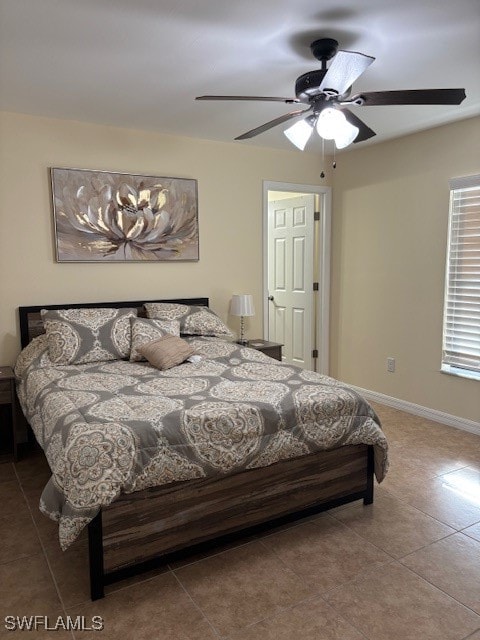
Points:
x=112 y=427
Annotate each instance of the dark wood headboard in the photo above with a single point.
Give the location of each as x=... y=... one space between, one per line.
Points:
x=31 y=324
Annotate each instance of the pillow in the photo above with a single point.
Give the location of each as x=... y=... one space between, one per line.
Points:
x=166 y=352
x=194 y=321
x=78 y=336
x=144 y=330
x=35 y=353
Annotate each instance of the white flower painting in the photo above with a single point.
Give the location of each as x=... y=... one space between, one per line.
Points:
x=116 y=217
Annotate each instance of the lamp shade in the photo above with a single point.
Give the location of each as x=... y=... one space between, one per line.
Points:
x=242 y=305
x=299 y=133
x=346 y=136
x=330 y=123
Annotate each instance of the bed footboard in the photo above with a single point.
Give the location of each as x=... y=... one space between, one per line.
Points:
x=145 y=529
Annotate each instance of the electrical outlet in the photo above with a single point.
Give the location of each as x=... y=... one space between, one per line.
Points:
x=391 y=365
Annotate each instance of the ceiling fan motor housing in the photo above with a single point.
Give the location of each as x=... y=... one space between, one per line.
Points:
x=307 y=85
x=324 y=48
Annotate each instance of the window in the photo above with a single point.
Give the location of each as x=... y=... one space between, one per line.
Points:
x=461 y=319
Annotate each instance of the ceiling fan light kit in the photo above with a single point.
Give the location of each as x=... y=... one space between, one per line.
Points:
x=299 y=133
x=326 y=94
x=332 y=125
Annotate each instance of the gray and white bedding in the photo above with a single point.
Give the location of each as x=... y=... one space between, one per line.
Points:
x=116 y=426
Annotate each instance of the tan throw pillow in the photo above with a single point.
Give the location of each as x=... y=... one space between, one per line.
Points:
x=166 y=352
x=144 y=331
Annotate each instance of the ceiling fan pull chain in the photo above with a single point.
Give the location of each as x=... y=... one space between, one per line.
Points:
x=334 y=163
x=322 y=173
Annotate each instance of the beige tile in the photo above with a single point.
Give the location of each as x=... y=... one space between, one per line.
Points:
x=452 y=498
x=242 y=586
x=406 y=429
x=403 y=476
x=18 y=535
x=11 y=498
x=37 y=481
x=33 y=471
x=71 y=571
x=47 y=529
x=324 y=553
x=310 y=620
x=391 y=602
x=474 y=636
x=27 y=588
x=157 y=608
x=473 y=531
x=452 y=565
x=7 y=472
x=467 y=444
x=466 y=481
x=393 y=525
x=428 y=457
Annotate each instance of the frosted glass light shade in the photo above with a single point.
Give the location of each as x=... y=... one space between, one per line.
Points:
x=242 y=305
x=330 y=123
x=299 y=133
x=347 y=135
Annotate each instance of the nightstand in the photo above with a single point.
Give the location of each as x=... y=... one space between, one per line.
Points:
x=272 y=349
x=8 y=409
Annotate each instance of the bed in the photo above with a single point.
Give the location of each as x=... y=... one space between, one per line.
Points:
x=149 y=460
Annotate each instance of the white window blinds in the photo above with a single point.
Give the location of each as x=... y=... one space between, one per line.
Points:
x=461 y=322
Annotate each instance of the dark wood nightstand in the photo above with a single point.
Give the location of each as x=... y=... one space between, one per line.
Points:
x=272 y=349
x=8 y=419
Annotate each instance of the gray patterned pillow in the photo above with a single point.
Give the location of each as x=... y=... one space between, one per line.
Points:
x=145 y=330
x=78 y=336
x=194 y=321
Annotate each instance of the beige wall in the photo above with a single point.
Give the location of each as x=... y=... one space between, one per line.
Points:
x=388 y=252
x=230 y=215
x=390 y=215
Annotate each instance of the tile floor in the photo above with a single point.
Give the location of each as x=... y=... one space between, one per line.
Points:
x=406 y=567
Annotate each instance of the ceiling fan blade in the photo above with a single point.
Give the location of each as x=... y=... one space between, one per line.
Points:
x=272 y=123
x=411 y=96
x=364 y=132
x=250 y=98
x=345 y=68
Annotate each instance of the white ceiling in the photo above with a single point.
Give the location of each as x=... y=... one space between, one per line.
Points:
x=140 y=63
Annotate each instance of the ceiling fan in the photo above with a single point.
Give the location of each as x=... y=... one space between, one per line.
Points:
x=327 y=93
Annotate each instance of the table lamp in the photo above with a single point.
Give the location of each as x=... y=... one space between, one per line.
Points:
x=242 y=305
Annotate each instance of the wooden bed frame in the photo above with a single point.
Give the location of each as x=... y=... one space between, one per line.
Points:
x=142 y=530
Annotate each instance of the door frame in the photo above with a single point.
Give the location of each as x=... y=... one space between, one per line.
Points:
x=322 y=308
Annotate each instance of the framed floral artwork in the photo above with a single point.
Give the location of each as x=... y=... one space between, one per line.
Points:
x=100 y=216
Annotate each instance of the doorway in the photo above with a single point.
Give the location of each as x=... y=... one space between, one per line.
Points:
x=296 y=283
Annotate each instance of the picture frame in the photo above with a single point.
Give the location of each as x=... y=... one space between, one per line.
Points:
x=106 y=216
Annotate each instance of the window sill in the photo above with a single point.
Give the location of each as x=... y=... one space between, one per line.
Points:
x=460 y=373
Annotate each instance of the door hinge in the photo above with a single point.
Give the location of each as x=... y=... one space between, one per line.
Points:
x=315 y=353
x=316 y=216
x=315 y=286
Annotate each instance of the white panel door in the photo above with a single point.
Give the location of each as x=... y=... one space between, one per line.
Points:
x=290 y=277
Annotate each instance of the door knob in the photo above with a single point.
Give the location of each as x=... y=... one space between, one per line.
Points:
x=271 y=298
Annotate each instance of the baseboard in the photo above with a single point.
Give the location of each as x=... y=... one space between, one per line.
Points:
x=419 y=410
